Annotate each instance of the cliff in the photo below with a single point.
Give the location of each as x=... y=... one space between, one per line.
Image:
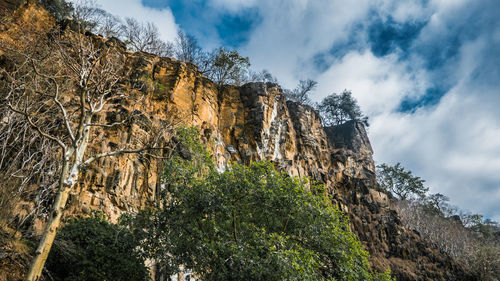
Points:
x=243 y=124
x=251 y=123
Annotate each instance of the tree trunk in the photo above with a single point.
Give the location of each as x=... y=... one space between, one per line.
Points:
x=49 y=233
x=66 y=183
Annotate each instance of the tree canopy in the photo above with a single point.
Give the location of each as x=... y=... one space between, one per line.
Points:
x=301 y=92
x=336 y=109
x=248 y=223
x=400 y=182
x=227 y=67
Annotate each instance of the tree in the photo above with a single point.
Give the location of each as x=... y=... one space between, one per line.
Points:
x=57 y=86
x=187 y=48
x=263 y=76
x=437 y=204
x=227 y=67
x=400 y=182
x=60 y=9
x=145 y=37
x=94 y=19
x=301 y=92
x=336 y=109
x=93 y=249
x=247 y=223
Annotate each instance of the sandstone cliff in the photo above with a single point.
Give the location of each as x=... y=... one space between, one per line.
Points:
x=254 y=122
x=243 y=124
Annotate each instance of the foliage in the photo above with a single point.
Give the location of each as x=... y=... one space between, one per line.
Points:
x=437 y=204
x=336 y=109
x=93 y=249
x=400 y=182
x=301 y=92
x=247 y=223
x=228 y=67
x=60 y=9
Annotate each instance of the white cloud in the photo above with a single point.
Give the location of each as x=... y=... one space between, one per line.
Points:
x=292 y=32
x=379 y=84
x=163 y=18
x=454 y=146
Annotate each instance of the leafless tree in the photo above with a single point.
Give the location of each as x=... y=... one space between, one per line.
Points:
x=478 y=254
x=187 y=48
x=56 y=88
x=262 y=76
x=145 y=37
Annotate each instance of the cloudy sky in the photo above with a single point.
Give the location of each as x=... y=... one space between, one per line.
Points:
x=426 y=72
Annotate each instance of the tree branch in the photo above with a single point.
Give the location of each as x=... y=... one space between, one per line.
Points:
x=48 y=136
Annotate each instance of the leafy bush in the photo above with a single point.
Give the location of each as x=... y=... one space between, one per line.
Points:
x=247 y=223
x=93 y=249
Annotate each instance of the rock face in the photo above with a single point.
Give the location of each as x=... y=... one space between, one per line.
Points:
x=254 y=122
x=243 y=124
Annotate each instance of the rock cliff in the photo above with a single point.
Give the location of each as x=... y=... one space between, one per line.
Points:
x=251 y=123
x=243 y=124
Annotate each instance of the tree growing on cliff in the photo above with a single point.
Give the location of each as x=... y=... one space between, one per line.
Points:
x=400 y=182
x=145 y=37
x=302 y=91
x=63 y=88
x=60 y=9
x=263 y=76
x=227 y=67
x=336 y=109
x=187 y=48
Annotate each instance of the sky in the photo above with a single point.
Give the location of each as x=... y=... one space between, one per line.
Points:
x=426 y=72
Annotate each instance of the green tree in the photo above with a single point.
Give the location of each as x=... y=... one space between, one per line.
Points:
x=336 y=109
x=93 y=249
x=400 y=182
x=247 y=223
x=437 y=204
x=227 y=67
x=60 y=9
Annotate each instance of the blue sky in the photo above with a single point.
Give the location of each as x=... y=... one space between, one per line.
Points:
x=426 y=72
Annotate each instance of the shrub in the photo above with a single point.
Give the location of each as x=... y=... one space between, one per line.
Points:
x=247 y=223
x=93 y=249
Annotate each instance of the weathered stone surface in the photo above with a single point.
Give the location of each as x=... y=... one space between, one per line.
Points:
x=254 y=122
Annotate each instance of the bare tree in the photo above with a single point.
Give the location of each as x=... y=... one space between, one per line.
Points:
x=187 y=48
x=55 y=89
x=145 y=37
x=94 y=19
